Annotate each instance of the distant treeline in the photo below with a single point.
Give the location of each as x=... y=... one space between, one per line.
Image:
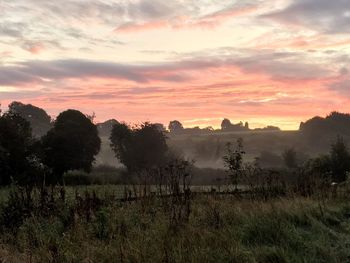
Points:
x=41 y=122
x=72 y=142
x=313 y=138
x=334 y=124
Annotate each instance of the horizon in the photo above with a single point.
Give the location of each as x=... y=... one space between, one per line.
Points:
x=185 y=124
x=277 y=63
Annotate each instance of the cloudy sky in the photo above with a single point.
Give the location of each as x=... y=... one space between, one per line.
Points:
x=274 y=62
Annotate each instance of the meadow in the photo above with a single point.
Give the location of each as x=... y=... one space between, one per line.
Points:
x=58 y=205
x=217 y=229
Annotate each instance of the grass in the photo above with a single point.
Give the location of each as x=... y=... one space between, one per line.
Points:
x=117 y=191
x=219 y=230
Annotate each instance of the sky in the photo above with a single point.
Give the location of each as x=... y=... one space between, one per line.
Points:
x=275 y=62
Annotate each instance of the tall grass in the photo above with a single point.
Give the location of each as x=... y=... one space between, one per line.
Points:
x=219 y=229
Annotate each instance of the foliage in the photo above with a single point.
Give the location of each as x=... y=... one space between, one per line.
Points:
x=336 y=164
x=39 y=120
x=89 y=229
x=178 y=185
x=139 y=148
x=175 y=127
x=340 y=160
x=226 y=124
x=318 y=132
x=18 y=161
x=71 y=144
x=234 y=160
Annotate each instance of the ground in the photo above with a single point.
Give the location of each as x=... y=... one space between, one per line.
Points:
x=219 y=229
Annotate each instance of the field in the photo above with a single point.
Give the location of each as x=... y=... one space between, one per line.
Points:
x=117 y=191
x=218 y=229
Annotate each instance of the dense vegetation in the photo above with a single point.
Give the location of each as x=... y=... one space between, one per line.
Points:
x=296 y=211
x=218 y=230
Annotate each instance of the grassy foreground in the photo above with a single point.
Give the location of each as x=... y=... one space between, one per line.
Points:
x=218 y=230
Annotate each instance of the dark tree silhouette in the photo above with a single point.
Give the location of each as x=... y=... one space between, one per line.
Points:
x=71 y=144
x=233 y=160
x=140 y=148
x=319 y=131
x=39 y=120
x=160 y=127
x=175 y=127
x=335 y=165
x=226 y=125
x=16 y=157
x=340 y=160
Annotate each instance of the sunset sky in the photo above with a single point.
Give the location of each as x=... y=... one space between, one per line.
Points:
x=268 y=62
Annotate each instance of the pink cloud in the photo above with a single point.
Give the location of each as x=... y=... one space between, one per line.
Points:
x=34 y=48
x=256 y=87
x=271 y=41
x=246 y=96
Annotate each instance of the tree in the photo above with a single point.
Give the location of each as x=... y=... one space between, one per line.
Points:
x=234 y=160
x=334 y=165
x=16 y=157
x=139 y=148
x=175 y=127
x=71 y=144
x=105 y=128
x=290 y=158
x=226 y=125
x=340 y=160
x=160 y=127
x=246 y=125
x=39 y=120
x=322 y=166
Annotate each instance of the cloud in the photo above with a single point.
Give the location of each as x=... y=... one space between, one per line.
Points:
x=34 y=47
x=39 y=71
x=26 y=23
x=321 y=15
x=280 y=66
x=154 y=9
x=283 y=66
x=12 y=30
x=140 y=27
x=218 y=17
x=341 y=83
x=181 y=18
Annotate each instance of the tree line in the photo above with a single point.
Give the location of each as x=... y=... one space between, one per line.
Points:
x=72 y=143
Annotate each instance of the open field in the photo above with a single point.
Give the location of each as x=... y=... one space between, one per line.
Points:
x=218 y=230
